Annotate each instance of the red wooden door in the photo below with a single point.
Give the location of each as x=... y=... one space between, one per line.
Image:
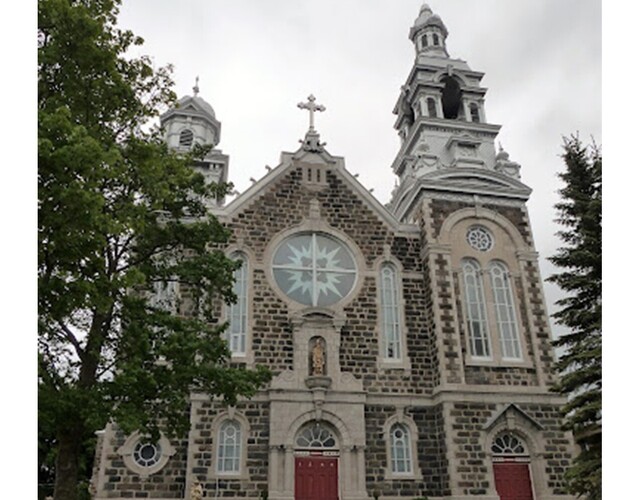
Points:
x=512 y=481
x=316 y=478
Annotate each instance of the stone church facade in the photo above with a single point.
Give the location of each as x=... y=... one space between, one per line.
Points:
x=409 y=343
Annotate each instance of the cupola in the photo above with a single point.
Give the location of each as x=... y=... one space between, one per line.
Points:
x=429 y=33
x=192 y=121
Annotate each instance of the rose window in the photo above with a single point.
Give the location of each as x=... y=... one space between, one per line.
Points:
x=479 y=238
x=314 y=269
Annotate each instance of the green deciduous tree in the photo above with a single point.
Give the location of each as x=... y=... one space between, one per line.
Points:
x=119 y=215
x=580 y=261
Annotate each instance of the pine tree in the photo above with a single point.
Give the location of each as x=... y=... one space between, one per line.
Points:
x=580 y=364
x=118 y=215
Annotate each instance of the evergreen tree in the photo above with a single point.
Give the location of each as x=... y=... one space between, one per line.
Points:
x=119 y=215
x=580 y=261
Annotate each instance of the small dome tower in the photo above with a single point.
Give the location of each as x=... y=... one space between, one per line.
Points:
x=429 y=34
x=193 y=121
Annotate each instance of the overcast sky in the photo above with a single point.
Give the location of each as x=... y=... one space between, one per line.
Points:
x=257 y=59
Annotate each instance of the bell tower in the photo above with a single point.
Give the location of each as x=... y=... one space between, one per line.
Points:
x=193 y=121
x=447 y=144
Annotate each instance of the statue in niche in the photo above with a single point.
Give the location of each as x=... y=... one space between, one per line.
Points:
x=196 y=491
x=317 y=357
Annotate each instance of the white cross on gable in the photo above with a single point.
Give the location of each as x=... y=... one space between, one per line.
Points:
x=312 y=107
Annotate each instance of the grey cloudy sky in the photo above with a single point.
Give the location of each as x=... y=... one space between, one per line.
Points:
x=257 y=59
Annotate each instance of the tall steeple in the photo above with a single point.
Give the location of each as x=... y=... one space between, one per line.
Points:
x=445 y=138
x=193 y=121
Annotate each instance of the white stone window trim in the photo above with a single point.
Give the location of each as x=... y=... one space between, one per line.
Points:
x=247 y=356
x=384 y=362
x=126 y=451
x=230 y=414
x=317 y=225
x=400 y=418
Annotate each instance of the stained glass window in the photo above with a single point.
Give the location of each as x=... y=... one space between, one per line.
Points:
x=314 y=269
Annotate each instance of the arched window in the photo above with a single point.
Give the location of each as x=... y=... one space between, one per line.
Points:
x=229 y=447
x=436 y=40
x=316 y=436
x=505 y=310
x=186 y=138
x=475 y=112
x=507 y=444
x=238 y=313
x=400 y=449
x=431 y=107
x=476 y=309
x=390 y=312
x=423 y=41
x=451 y=98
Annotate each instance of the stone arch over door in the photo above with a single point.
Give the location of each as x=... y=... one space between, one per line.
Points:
x=284 y=450
x=512 y=420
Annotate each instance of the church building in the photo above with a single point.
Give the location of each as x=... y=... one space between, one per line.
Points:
x=409 y=343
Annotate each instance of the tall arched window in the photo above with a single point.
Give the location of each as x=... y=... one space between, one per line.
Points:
x=229 y=447
x=400 y=449
x=476 y=309
x=186 y=138
x=423 y=41
x=505 y=310
x=391 y=332
x=431 y=107
x=436 y=40
x=474 y=112
x=238 y=313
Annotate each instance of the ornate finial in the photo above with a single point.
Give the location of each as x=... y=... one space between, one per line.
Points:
x=196 y=89
x=312 y=107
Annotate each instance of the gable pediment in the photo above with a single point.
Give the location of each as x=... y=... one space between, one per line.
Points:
x=511 y=415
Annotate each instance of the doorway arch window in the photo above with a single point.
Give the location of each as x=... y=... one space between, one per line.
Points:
x=316 y=436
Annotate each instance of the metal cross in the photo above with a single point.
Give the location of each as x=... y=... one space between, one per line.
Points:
x=312 y=107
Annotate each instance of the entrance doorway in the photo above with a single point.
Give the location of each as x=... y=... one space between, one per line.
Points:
x=511 y=468
x=316 y=463
x=316 y=478
x=512 y=481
